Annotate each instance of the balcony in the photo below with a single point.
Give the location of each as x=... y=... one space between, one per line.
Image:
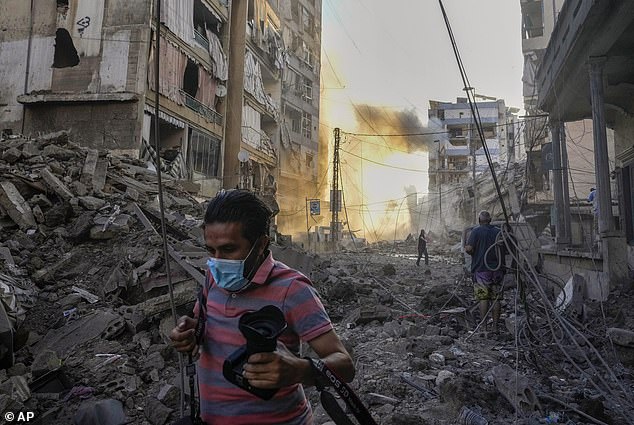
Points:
x=201 y=40
x=260 y=141
x=203 y=110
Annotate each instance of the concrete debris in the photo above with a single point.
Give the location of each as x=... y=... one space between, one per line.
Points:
x=15 y=205
x=516 y=389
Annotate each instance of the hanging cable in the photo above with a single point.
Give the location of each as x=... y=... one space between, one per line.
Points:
x=157 y=146
x=475 y=113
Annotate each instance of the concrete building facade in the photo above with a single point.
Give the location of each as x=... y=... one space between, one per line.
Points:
x=300 y=110
x=586 y=73
x=89 y=66
x=452 y=159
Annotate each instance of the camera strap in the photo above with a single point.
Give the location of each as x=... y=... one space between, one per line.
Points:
x=324 y=376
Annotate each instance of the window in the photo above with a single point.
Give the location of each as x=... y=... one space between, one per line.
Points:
x=307 y=90
x=190 y=79
x=532 y=19
x=204 y=153
x=65 y=55
x=308 y=22
x=307 y=125
x=293 y=81
x=307 y=55
x=295 y=118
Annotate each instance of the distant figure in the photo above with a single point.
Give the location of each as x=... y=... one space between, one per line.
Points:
x=592 y=198
x=422 y=248
x=485 y=266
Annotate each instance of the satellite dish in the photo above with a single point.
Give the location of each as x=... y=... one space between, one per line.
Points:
x=243 y=156
x=221 y=90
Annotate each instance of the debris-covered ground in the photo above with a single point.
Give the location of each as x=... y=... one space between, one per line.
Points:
x=84 y=285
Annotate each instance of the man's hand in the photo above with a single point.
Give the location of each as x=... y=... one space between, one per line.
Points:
x=182 y=336
x=278 y=369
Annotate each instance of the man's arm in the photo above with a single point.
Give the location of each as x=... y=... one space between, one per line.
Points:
x=282 y=368
x=468 y=248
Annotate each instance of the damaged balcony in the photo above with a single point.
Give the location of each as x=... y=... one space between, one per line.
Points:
x=259 y=144
x=195 y=105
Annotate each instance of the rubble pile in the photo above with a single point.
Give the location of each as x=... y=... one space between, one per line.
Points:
x=80 y=252
x=419 y=361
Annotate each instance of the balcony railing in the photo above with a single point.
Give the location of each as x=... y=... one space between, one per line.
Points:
x=195 y=105
x=258 y=140
x=201 y=40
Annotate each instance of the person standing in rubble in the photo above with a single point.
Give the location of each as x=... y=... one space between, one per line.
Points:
x=243 y=277
x=486 y=267
x=422 y=248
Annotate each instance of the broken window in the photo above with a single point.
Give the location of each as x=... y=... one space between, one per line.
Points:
x=532 y=19
x=62 y=7
x=65 y=52
x=307 y=89
x=307 y=125
x=295 y=117
x=308 y=56
x=205 y=20
x=308 y=22
x=204 y=153
x=190 y=79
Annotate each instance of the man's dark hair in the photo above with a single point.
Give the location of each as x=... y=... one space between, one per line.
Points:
x=240 y=206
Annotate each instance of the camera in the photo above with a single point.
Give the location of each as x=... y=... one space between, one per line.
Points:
x=261 y=329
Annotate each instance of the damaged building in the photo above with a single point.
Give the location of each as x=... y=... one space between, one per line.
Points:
x=586 y=73
x=89 y=67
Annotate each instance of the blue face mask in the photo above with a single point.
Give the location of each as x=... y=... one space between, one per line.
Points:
x=229 y=274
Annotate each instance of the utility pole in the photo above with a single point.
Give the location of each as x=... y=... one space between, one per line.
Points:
x=334 y=197
x=235 y=91
x=473 y=171
x=439 y=184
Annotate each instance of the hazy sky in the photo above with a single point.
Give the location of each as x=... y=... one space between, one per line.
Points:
x=397 y=53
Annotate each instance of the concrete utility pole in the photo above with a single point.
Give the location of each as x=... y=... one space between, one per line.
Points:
x=601 y=160
x=334 y=203
x=564 y=182
x=557 y=184
x=235 y=92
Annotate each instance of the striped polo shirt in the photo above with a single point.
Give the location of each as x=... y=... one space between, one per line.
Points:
x=223 y=403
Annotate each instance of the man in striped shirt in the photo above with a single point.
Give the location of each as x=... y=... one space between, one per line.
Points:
x=244 y=277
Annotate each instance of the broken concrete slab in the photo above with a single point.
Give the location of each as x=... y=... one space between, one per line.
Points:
x=55 y=184
x=40 y=200
x=57 y=152
x=107 y=227
x=99 y=178
x=79 y=229
x=516 y=389
x=90 y=167
x=17 y=388
x=64 y=340
x=11 y=155
x=367 y=314
x=156 y=412
x=15 y=206
x=91 y=203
